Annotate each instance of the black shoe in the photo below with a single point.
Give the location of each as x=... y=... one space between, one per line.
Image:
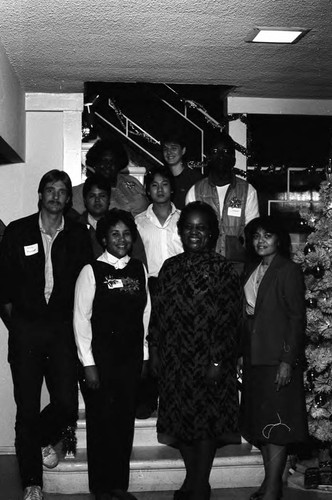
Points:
x=181 y=495
x=103 y=496
x=257 y=495
x=122 y=495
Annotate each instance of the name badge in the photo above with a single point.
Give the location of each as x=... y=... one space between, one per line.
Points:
x=31 y=249
x=234 y=212
x=114 y=284
x=117 y=284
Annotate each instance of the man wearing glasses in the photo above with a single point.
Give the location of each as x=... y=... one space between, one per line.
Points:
x=234 y=200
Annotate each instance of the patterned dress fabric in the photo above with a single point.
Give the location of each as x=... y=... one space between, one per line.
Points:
x=194 y=322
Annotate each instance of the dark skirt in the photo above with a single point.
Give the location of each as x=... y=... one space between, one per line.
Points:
x=268 y=415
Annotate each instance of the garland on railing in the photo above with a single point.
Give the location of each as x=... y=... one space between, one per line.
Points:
x=262 y=177
x=88 y=120
x=87 y=127
x=131 y=126
x=218 y=125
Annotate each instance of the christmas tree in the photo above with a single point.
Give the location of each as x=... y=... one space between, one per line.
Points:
x=315 y=260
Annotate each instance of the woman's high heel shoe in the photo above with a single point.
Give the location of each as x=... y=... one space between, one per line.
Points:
x=257 y=495
x=181 y=495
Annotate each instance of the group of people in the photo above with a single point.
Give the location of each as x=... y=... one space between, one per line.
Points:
x=153 y=291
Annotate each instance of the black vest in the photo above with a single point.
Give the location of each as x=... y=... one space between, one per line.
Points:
x=117 y=314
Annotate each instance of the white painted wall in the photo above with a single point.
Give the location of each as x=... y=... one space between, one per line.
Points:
x=12 y=114
x=50 y=143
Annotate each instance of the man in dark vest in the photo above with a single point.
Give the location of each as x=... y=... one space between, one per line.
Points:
x=40 y=258
x=234 y=200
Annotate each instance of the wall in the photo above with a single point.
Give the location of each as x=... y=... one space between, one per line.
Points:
x=257 y=105
x=12 y=116
x=52 y=141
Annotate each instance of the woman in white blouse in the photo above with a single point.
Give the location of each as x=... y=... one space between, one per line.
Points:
x=111 y=315
x=273 y=413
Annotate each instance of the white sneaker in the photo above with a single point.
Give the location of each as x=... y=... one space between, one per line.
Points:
x=33 y=493
x=50 y=457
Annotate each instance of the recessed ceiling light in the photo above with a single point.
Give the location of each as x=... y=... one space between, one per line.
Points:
x=276 y=35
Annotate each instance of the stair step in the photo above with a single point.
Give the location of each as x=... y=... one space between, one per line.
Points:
x=160 y=468
x=145 y=432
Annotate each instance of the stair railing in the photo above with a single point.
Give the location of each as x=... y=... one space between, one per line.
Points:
x=184 y=115
x=131 y=124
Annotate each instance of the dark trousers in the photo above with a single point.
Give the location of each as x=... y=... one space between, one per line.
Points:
x=38 y=350
x=110 y=420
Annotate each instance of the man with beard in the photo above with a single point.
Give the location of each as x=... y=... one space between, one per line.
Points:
x=234 y=199
x=40 y=258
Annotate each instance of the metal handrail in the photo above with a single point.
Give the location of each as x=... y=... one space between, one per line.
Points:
x=191 y=122
x=128 y=121
x=129 y=138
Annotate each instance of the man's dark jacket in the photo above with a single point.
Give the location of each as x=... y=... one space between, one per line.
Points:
x=22 y=268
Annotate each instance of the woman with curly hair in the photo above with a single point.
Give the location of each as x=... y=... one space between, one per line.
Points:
x=111 y=315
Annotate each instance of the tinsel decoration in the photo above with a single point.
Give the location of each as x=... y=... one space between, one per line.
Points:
x=69 y=441
x=218 y=125
x=196 y=164
x=88 y=131
x=315 y=259
x=132 y=128
x=135 y=130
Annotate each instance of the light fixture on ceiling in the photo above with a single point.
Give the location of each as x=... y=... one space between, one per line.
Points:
x=265 y=34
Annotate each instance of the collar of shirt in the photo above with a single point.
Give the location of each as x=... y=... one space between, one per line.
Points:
x=58 y=229
x=152 y=216
x=92 y=221
x=114 y=261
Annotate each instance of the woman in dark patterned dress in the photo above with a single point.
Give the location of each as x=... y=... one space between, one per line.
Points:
x=111 y=315
x=192 y=339
x=273 y=413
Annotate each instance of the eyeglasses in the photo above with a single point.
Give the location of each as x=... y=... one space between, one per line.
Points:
x=221 y=152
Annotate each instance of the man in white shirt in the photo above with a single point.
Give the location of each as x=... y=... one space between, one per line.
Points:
x=158 y=229
x=158 y=224
x=234 y=200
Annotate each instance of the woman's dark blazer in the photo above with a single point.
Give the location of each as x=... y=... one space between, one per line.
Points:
x=279 y=320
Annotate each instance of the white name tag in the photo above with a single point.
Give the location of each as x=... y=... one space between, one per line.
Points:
x=234 y=212
x=31 y=249
x=115 y=284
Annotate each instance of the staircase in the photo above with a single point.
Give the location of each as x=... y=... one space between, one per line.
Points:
x=139 y=114
x=156 y=467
